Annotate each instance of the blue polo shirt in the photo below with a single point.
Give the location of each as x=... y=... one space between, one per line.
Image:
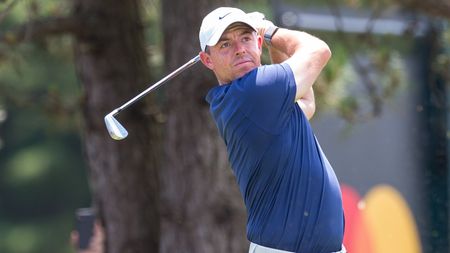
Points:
x=290 y=190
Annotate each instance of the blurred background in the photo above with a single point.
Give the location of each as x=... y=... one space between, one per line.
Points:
x=382 y=120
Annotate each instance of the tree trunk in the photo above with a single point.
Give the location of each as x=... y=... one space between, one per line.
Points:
x=111 y=64
x=201 y=208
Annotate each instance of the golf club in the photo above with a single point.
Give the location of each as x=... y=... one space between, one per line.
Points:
x=115 y=129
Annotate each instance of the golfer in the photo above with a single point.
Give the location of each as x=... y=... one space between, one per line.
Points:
x=289 y=188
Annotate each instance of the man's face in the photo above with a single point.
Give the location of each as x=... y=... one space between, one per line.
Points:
x=237 y=52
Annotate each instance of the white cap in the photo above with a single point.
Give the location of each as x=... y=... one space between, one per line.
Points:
x=217 y=21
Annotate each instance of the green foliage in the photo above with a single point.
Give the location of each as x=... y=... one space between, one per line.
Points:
x=365 y=72
x=260 y=6
x=25 y=10
x=42 y=170
x=354 y=4
x=442 y=63
x=42 y=175
x=153 y=35
x=37 y=236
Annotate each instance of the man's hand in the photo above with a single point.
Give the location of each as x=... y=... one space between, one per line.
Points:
x=96 y=243
x=260 y=21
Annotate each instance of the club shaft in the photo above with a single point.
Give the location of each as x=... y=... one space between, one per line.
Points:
x=159 y=83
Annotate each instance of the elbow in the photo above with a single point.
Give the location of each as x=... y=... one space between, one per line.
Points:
x=311 y=110
x=320 y=55
x=308 y=107
x=325 y=52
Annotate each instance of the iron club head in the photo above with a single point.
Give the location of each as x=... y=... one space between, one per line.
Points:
x=115 y=129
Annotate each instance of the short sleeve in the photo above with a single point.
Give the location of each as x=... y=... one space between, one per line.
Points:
x=270 y=96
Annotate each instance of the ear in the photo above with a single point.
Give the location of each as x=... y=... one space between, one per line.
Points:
x=206 y=60
x=260 y=42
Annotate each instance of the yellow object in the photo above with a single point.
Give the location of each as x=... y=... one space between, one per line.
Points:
x=390 y=222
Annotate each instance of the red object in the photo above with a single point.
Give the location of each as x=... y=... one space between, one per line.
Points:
x=357 y=235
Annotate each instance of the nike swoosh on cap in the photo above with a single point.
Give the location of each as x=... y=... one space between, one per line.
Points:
x=225 y=15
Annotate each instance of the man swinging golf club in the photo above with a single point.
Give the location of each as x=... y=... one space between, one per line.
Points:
x=289 y=188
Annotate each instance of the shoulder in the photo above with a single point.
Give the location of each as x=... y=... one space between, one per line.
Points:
x=265 y=76
x=274 y=74
x=216 y=94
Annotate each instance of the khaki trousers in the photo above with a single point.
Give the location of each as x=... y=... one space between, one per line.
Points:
x=255 y=248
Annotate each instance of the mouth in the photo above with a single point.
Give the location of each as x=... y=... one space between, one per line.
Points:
x=241 y=62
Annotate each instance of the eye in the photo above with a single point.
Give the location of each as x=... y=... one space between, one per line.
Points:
x=247 y=38
x=225 y=44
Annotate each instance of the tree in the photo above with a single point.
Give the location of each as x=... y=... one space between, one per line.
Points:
x=111 y=63
x=201 y=208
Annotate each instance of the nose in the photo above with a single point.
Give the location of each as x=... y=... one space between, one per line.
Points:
x=239 y=48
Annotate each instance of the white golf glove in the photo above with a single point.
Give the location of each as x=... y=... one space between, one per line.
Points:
x=260 y=22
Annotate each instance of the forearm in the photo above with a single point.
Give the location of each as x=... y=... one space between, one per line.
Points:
x=306 y=54
x=277 y=56
x=284 y=43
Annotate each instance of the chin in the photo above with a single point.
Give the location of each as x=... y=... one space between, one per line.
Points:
x=245 y=69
